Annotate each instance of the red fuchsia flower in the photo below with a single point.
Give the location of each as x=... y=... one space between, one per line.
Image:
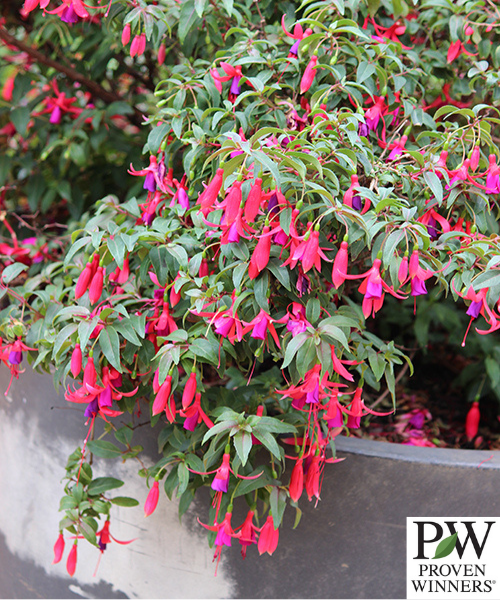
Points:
x=105 y=537
x=253 y=201
x=312 y=480
x=311 y=390
x=165 y=324
x=262 y=325
x=76 y=361
x=417 y=275
x=431 y=219
x=208 y=198
x=460 y=174
x=309 y=73
x=152 y=499
x=269 y=537
x=120 y=276
x=162 y=52
x=232 y=73
x=472 y=421
x=296 y=486
x=248 y=535
x=85 y=277
x=391 y=33
x=194 y=415
x=189 y=390
x=162 y=396
x=357 y=409
x=260 y=256
x=96 y=285
x=478 y=306
x=298 y=34
x=154 y=174
x=30 y=5
x=375 y=113
x=334 y=415
x=308 y=252
x=474 y=158
x=71 y=11
x=353 y=200
x=58 y=549
x=72 y=557
x=454 y=50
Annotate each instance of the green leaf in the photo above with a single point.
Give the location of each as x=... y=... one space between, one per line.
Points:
x=435 y=186
x=103 y=484
x=124 y=501
x=20 y=117
x=103 y=449
x=243 y=444
x=110 y=346
x=446 y=546
x=292 y=348
x=12 y=271
x=189 y=19
x=277 y=499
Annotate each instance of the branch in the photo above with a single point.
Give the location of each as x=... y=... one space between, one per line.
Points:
x=95 y=88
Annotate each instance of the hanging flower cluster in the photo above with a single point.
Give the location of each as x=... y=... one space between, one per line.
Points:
x=290 y=197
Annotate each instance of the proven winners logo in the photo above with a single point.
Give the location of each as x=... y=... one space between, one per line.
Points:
x=453 y=557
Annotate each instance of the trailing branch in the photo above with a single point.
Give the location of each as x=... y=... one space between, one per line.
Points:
x=95 y=88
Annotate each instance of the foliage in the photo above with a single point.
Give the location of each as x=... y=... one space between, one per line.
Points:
x=294 y=175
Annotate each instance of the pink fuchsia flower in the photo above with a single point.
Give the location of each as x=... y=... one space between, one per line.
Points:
x=373 y=288
x=397 y=148
x=76 y=361
x=160 y=401
x=126 y=34
x=248 y=534
x=224 y=534
x=220 y=482
x=194 y=415
x=269 y=537
x=298 y=34
x=138 y=45
x=152 y=499
x=260 y=255
x=72 y=558
x=353 y=200
x=262 y=325
x=231 y=73
x=308 y=252
x=340 y=263
x=472 y=421
x=154 y=174
x=30 y=5
x=375 y=113
x=296 y=485
x=58 y=549
x=308 y=76
x=105 y=537
x=207 y=199
x=492 y=176
x=357 y=409
x=297 y=322
x=253 y=201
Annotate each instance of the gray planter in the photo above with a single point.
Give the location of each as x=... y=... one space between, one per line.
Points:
x=352 y=545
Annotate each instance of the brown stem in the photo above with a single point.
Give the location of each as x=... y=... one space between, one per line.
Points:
x=95 y=88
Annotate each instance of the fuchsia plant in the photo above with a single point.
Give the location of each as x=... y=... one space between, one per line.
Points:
x=230 y=290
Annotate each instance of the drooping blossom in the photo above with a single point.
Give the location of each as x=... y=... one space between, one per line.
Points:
x=298 y=34
x=472 y=421
x=248 y=533
x=309 y=73
x=269 y=537
x=152 y=499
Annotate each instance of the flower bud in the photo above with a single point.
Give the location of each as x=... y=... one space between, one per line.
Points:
x=76 y=361
x=71 y=562
x=58 y=549
x=152 y=500
x=126 y=34
x=161 y=54
x=472 y=421
x=82 y=284
x=95 y=289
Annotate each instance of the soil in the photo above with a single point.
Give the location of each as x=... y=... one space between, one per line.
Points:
x=432 y=408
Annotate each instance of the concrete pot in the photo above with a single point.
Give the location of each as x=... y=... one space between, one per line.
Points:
x=352 y=545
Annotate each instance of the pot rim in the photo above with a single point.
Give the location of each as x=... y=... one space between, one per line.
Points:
x=448 y=457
